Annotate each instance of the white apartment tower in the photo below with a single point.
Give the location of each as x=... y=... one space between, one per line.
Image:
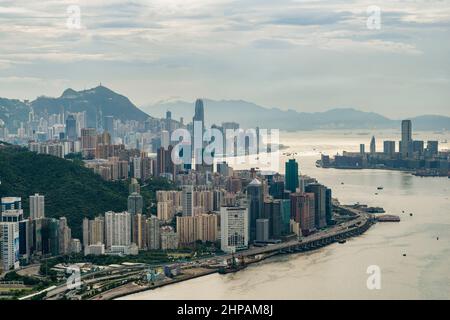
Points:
x=234 y=228
x=37 y=206
x=117 y=229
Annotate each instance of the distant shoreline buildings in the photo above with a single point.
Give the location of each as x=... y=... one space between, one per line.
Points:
x=412 y=155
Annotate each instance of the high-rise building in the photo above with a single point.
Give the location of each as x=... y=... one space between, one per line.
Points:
x=93 y=231
x=389 y=148
x=291 y=175
x=362 y=149
x=432 y=148
x=406 y=144
x=71 y=128
x=11 y=203
x=64 y=236
x=273 y=212
x=165 y=211
x=199 y=114
x=117 y=229
x=329 y=206
x=303 y=211
x=108 y=124
x=9 y=245
x=201 y=227
x=256 y=201
x=418 y=148
x=153 y=233
x=373 y=146
x=37 y=206
x=164 y=163
x=234 y=226
x=135 y=203
x=320 y=200
x=188 y=200
x=50 y=236
x=139 y=230
x=88 y=142
x=25 y=239
x=262 y=230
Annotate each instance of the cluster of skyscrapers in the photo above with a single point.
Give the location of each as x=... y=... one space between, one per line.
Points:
x=423 y=158
x=211 y=203
x=24 y=239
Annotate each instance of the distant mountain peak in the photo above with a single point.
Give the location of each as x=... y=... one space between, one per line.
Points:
x=69 y=93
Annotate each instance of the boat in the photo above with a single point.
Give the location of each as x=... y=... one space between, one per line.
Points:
x=223 y=270
x=342 y=241
x=234 y=267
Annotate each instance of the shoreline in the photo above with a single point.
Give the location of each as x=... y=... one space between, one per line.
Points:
x=301 y=247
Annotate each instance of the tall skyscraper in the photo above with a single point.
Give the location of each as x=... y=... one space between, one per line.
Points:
x=197 y=150
x=406 y=144
x=117 y=229
x=64 y=236
x=93 y=231
x=329 y=206
x=256 y=202
x=199 y=114
x=187 y=200
x=135 y=203
x=291 y=175
x=262 y=230
x=71 y=128
x=153 y=233
x=108 y=124
x=320 y=201
x=432 y=148
x=373 y=146
x=9 y=245
x=88 y=142
x=273 y=212
x=303 y=211
x=234 y=228
x=389 y=148
x=37 y=206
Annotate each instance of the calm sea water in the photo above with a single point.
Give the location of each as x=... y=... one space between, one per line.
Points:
x=339 y=270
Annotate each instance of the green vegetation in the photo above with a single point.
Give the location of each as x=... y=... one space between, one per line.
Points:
x=70 y=189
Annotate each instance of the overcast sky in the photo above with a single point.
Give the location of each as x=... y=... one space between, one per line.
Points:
x=303 y=55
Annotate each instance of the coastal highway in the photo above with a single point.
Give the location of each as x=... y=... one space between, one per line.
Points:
x=361 y=219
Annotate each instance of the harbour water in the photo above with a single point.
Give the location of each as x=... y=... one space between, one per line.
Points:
x=413 y=255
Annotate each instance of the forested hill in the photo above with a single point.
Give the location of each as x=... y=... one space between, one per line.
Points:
x=70 y=189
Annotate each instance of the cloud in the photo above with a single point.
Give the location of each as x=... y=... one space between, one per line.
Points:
x=229 y=48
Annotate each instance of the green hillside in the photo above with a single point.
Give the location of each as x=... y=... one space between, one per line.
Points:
x=70 y=189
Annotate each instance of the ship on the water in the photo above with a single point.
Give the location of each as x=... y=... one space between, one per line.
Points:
x=234 y=266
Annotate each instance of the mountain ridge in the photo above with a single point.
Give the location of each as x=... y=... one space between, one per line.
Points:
x=252 y=115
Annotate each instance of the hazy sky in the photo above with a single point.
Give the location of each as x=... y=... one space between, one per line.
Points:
x=303 y=55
